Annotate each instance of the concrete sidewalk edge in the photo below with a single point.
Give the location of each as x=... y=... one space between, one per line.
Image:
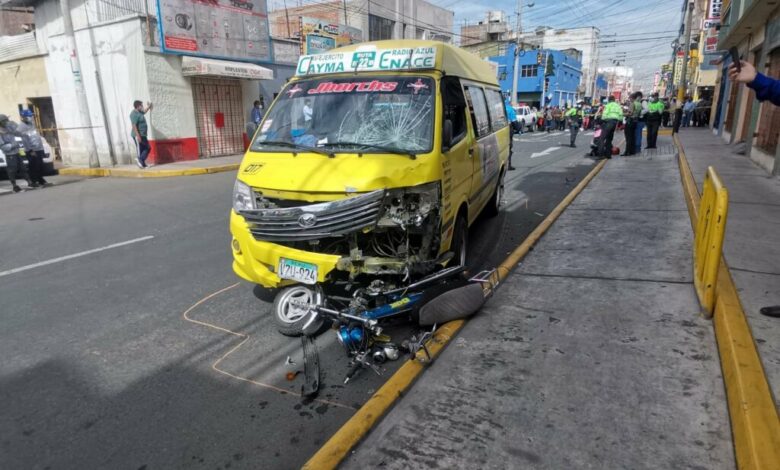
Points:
x=127 y=173
x=755 y=424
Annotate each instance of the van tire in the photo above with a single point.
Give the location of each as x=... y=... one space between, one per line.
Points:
x=494 y=206
x=460 y=240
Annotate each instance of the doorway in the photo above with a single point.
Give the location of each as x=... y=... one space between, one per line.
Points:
x=219 y=117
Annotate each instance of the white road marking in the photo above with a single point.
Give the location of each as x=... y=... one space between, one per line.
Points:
x=544 y=152
x=74 y=255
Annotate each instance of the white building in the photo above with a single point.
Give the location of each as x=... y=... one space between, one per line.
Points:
x=620 y=80
x=584 y=39
x=376 y=19
x=200 y=110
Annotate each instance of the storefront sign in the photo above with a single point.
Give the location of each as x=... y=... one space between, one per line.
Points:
x=713 y=9
x=231 y=29
x=319 y=36
x=678 y=63
x=195 y=66
x=368 y=59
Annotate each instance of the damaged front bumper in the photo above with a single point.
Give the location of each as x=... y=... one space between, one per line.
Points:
x=383 y=232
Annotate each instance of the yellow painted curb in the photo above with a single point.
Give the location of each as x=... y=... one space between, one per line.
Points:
x=331 y=454
x=129 y=173
x=755 y=425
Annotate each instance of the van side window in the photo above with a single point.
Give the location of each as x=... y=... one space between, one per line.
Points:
x=479 y=113
x=454 y=105
x=498 y=119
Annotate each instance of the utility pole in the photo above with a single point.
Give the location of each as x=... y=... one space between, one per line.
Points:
x=683 y=88
x=516 y=69
x=287 y=20
x=544 y=79
x=82 y=108
x=345 y=12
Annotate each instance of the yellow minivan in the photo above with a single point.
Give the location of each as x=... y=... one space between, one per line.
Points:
x=369 y=167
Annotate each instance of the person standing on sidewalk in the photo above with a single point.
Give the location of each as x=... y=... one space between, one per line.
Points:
x=140 y=129
x=33 y=146
x=10 y=147
x=630 y=131
x=574 y=117
x=612 y=115
x=654 y=111
x=640 y=123
x=767 y=89
x=677 y=112
x=688 y=108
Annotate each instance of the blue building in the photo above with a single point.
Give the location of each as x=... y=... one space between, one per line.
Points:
x=565 y=72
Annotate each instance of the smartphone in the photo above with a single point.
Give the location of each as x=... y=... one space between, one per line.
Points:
x=735 y=58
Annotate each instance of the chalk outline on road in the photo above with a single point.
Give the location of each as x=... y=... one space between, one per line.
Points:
x=74 y=255
x=244 y=339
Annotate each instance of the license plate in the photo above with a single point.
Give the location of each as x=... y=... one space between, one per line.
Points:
x=297 y=271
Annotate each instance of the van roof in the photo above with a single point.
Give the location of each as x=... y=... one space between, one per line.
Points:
x=445 y=58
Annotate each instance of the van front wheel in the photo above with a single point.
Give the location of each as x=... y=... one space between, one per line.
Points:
x=460 y=239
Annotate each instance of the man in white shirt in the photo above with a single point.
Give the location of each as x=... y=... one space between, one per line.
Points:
x=307 y=111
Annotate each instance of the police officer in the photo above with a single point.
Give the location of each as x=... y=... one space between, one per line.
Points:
x=574 y=119
x=612 y=115
x=654 y=115
x=10 y=147
x=33 y=145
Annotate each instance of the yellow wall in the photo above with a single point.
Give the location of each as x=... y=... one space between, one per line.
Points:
x=21 y=79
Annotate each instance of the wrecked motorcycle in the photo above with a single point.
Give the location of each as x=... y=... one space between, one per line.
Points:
x=436 y=299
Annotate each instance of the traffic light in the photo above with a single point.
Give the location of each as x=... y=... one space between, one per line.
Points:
x=538 y=58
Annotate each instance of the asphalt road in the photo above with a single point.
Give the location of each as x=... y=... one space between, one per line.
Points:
x=146 y=352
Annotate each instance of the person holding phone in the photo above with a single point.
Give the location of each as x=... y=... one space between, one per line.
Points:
x=766 y=88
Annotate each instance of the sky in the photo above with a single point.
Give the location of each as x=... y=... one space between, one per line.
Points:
x=640 y=31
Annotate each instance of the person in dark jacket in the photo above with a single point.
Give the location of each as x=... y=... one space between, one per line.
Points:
x=767 y=89
x=11 y=149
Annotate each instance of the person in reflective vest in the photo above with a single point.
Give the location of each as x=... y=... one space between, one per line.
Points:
x=612 y=115
x=654 y=114
x=574 y=119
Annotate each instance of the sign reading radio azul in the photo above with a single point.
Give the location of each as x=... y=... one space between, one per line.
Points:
x=368 y=59
x=227 y=29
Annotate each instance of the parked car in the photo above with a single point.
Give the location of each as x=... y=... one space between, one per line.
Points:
x=526 y=117
x=48 y=160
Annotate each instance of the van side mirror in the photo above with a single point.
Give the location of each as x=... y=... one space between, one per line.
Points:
x=446 y=135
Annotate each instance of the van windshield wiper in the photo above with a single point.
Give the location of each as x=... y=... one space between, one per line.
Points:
x=282 y=143
x=383 y=148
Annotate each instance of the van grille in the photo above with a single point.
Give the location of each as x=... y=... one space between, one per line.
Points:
x=316 y=221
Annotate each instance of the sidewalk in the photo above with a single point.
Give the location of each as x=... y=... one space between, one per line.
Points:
x=751 y=246
x=591 y=355
x=187 y=168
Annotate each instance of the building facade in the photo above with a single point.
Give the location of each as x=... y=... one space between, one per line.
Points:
x=200 y=110
x=376 y=19
x=753 y=27
x=545 y=77
x=586 y=40
x=493 y=28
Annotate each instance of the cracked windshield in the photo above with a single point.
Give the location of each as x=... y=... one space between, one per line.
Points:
x=389 y=234
x=373 y=114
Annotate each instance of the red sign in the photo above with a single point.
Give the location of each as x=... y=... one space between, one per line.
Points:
x=182 y=44
x=374 y=85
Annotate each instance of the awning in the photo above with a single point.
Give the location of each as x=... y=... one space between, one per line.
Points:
x=197 y=66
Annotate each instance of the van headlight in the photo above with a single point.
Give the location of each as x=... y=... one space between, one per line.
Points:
x=243 y=197
x=410 y=206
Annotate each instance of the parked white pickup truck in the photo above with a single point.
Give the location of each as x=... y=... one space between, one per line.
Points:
x=526 y=117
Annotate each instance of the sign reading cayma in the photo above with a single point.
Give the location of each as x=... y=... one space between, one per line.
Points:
x=368 y=60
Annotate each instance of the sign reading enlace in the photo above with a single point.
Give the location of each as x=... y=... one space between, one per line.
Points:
x=411 y=58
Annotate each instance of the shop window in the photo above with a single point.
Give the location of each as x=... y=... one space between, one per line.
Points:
x=380 y=28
